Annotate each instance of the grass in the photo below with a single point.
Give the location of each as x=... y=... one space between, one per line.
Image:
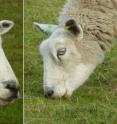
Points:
x=93 y=103
x=13 y=47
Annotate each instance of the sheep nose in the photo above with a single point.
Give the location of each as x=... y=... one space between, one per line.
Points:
x=49 y=93
x=12 y=86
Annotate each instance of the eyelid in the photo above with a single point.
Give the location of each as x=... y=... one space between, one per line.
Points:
x=61 y=52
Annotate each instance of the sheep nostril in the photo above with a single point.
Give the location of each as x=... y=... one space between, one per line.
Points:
x=49 y=93
x=12 y=86
x=14 y=90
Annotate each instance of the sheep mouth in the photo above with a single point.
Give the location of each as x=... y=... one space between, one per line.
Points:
x=4 y=102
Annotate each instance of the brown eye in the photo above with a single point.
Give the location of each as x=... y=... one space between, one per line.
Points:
x=61 y=52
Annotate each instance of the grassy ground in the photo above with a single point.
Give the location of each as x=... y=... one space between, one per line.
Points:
x=12 y=10
x=93 y=103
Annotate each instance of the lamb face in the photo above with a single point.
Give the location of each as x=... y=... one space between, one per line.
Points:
x=63 y=68
x=8 y=82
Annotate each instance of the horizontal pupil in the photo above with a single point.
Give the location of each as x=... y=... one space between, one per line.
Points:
x=61 y=52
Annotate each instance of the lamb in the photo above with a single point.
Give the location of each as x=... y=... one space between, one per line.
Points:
x=76 y=46
x=8 y=82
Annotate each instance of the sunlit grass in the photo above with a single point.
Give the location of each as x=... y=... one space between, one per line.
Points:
x=93 y=103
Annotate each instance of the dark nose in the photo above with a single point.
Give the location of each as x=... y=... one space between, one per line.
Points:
x=49 y=93
x=11 y=85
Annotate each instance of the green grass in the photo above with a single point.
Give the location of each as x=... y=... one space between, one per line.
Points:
x=13 y=47
x=93 y=103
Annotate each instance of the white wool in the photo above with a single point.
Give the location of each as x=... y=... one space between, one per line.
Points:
x=98 y=19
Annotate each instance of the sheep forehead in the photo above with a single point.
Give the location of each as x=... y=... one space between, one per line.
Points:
x=55 y=41
x=49 y=45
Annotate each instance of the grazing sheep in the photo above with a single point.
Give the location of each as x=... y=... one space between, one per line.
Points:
x=77 y=45
x=8 y=81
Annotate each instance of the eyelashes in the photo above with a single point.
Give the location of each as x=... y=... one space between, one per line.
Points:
x=61 y=52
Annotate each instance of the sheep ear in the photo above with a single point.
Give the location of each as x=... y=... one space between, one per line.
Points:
x=45 y=28
x=5 y=26
x=74 y=28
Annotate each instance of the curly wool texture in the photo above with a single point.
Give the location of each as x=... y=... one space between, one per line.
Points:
x=98 y=19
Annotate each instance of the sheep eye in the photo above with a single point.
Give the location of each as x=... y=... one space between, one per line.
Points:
x=5 y=25
x=61 y=52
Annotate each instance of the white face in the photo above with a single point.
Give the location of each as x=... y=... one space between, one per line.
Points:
x=63 y=71
x=63 y=68
x=8 y=82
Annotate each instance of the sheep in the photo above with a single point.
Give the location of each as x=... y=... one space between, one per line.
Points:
x=8 y=81
x=98 y=19
x=76 y=46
